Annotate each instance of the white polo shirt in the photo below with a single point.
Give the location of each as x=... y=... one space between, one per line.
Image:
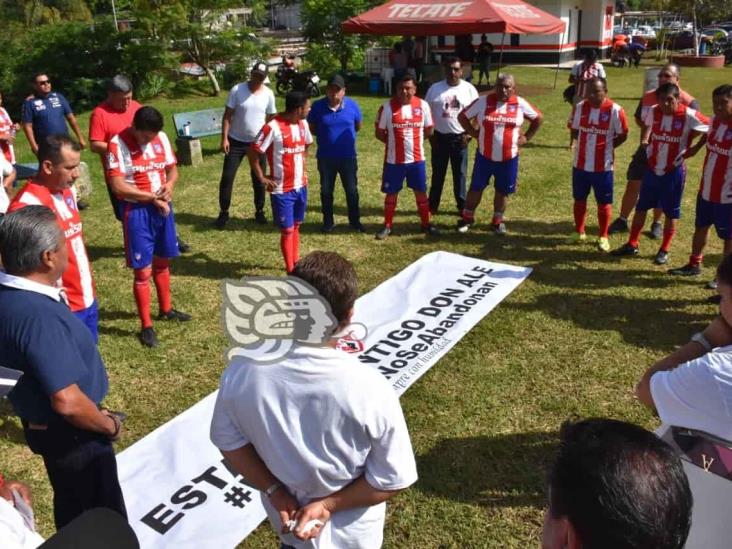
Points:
x=319 y=419
x=447 y=101
x=6 y=168
x=698 y=394
x=250 y=111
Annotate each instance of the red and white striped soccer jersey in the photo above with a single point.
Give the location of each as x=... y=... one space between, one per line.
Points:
x=141 y=165
x=6 y=125
x=77 y=279
x=285 y=145
x=649 y=100
x=598 y=127
x=405 y=125
x=670 y=136
x=500 y=124
x=716 y=181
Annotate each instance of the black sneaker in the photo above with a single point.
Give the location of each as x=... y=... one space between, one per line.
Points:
x=383 y=233
x=656 y=232
x=148 y=338
x=463 y=225
x=431 y=230
x=172 y=314
x=716 y=299
x=358 y=227
x=686 y=270
x=618 y=226
x=82 y=204
x=327 y=229
x=221 y=220
x=661 y=257
x=625 y=249
x=260 y=218
x=183 y=247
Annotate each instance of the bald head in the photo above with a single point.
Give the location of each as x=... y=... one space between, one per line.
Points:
x=669 y=74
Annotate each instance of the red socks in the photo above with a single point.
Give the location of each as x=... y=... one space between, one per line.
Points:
x=468 y=215
x=141 y=290
x=161 y=277
x=604 y=213
x=423 y=208
x=580 y=212
x=696 y=260
x=635 y=231
x=667 y=237
x=390 y=202
x=287 y=239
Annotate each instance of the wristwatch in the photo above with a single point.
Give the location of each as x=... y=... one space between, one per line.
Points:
x=272 y=489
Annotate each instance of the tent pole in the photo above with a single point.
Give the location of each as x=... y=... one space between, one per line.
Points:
x=500 y=56
x=559 y=60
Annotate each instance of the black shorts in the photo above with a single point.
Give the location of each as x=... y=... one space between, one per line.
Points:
x=638 y=164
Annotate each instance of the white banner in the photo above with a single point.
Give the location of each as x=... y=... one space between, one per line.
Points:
x=179 y=493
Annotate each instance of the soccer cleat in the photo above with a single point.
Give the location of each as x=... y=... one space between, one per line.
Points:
x=686 y=270
x=716 y=299
x=183 y=247
x=578 y=237
x=148 y=338
x=625 y=249
x=463 y=225
x=221 y=220
x=383 y=233
x=618 y=226
x=431 y=230
x=82 y=204
x=260 y=218
x=603 y=244
x=499 y=228
x=172 y=314
x=661 y=257
x=656 y=232
x=713 y=284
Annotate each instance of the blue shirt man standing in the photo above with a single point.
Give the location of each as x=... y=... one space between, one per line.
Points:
x=45 y=113
x=334 y=120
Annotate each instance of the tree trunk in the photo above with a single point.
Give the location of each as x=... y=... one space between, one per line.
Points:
x=215 y=88
x=693 y=28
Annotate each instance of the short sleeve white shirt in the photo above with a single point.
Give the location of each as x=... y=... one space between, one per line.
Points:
x=13 y=531
x=698 y=394
x=447 y=101
x=319 y=419
x=6 y=168
x=250 y=110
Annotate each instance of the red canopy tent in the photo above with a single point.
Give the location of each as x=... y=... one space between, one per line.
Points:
x=435 y=17
x=439 y=17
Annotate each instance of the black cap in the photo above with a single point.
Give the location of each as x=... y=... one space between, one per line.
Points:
x=260 y=67
x=337 y=80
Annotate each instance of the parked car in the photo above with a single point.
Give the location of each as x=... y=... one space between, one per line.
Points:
x=715 y=32
x=680 y=40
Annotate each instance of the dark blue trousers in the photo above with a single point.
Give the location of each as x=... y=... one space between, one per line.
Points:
x=329 y=169
x=448 y=148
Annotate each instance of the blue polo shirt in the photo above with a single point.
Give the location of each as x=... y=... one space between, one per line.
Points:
x=47 y=114
x=335 y=130
x=43 y=339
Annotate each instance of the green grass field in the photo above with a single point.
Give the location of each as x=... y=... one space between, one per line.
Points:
x=570 y=342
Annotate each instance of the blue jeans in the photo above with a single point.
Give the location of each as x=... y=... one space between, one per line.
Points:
x=347 y=168
x=448 y=148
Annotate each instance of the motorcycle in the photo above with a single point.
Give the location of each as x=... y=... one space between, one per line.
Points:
x=722 y=47
x=290 y=79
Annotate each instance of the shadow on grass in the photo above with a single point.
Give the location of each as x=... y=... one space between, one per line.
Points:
x=9 y=429
x=504 y=470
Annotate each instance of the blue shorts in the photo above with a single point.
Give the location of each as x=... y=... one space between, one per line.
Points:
x=662 y=191
x=90 y=318
x=600 y=182
x=148 y=233
x=711 y=213
x=505 y=174
x=289 y=208
x=392 y=180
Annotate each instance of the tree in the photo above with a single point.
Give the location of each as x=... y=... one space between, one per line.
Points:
x=200 y=30
x=322 y=20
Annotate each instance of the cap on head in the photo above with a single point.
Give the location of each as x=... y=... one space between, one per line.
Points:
x=260 y=67
x=337 y=80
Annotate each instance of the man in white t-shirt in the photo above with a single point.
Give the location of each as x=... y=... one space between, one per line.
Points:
x=319 y=433
x=250 y=106
x=447 y=98
x=692 y=388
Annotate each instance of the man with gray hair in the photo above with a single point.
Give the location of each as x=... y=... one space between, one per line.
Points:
x=108 y=119
x=64 y=379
